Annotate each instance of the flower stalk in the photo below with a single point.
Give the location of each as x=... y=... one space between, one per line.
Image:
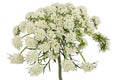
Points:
x=82 y=57
x=59 y=68
x=23 y=50
x=25 y=35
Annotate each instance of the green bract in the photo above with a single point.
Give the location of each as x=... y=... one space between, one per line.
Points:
x=57 y=31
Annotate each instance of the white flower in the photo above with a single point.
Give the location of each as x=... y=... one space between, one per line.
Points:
x=36 y=69
x=96 y=20
x=70 y=50
x=40 y=34
x=17 y=43
x=70 y=37
x=76 y=14
x=86 y=18
x=22 y=26
x=62 y=9
x=16 y=30
x=52 y=25
x=87 y=67
x=30 y=27
x=52 y=55
x=90 y=28
x=41 y=10
x=68 y=65
x=30 y=15
x=68 y=22
x=40 y=15
x=59 y=32
x=55 y=4
x=83 y=10
x=50 y=35
x=50 y=10
x=44 y=47
x=41 y=24
x=69 y=6
x=31 y=42
x=16 y=59
x=55 y=46
x=32 y=56
x=53 y=16
x=58 y=20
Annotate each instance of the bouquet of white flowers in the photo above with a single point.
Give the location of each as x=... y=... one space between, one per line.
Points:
x=56 y=33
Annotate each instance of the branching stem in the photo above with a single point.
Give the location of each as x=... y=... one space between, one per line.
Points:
x=23 y=50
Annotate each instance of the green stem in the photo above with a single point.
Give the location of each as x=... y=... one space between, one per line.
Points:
x=81 y=55
x=59 y=68
x=25 y=35
x=64 y=52
x=23 y=50
x=63 y=49
x=46 y=66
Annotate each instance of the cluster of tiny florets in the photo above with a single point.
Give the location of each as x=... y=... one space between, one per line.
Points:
x=53 y=31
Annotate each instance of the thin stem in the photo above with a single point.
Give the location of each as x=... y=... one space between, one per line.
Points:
x=64 y=52
x=23 y=50
x=25 y=35
x=73 y=61
x=46 y=65
x=82 y=56
x=63 y=49
x=43 y=57
x=59 y=68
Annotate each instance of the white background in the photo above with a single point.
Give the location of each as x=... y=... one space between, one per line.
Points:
x=12 y=12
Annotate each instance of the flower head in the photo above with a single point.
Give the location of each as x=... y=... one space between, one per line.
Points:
x=16 y=30
x=96 y=20
x=32 y=56
x=40 y=13
x=70 y=37
x=30 y=15
x=42 y=24
x=16 y=59
x=55 y=46
x=68 y=65
x=31 y=42
x=50 y=35
x=53 y=56
x=83 y=10
x=87 y=67
x=71 y=50
x=68 y=22
x=17 y=43
x=36 y=69
x=30 y=27
x=44 y=47
x=52 y=25
x=39 y=34
x=22 y=26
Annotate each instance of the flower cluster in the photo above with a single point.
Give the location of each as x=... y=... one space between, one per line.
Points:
x=87 y=67
x=54 y=31
x=16 y=59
